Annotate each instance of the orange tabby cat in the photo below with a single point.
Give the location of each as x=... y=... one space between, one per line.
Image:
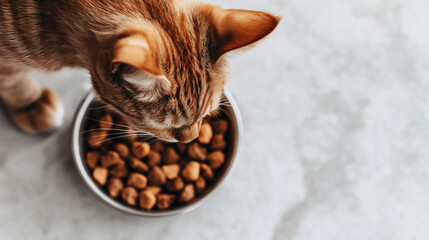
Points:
x=158 y=63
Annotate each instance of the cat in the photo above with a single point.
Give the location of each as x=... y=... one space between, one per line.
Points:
x=158 y=63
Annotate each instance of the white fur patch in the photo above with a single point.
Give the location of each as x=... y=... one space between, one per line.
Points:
x=151 y=86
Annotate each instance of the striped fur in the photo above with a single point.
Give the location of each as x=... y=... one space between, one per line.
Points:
x=182 y=44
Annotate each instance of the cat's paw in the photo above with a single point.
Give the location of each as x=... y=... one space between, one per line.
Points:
x=44 y=115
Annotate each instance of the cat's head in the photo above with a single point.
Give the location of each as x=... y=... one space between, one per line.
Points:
x=165 y=74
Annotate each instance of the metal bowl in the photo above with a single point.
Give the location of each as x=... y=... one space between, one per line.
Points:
x=231 y=159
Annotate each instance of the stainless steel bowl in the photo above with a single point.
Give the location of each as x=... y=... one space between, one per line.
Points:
x=232 y=155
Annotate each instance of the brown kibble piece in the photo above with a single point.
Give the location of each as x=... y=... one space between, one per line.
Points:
x=158 y=146
x=206 y=171
x=181 y=147
x=115 y=186
x=191 y=172
x=206 y=133
x=175 y=185
x=137 y=180
x=171 y=171
x=154 y=158
x=156 y=176
x=120 y=170
x=131 y=135
x=147 y=199
x=110 y=159
x=141 y=149
x=129 y=195
x=200 y=184
x=170 y=155
x=195 y=151
x=165 y=200
x=106 y=121
x=138 y=165
x=220 y=126
x=92 y=159
x=216 y=159
x=96 y=138
x=122 y=149
x=153 y=189
x=97 y=113
x=187 y=194
x=218 y=142
x=100 y=175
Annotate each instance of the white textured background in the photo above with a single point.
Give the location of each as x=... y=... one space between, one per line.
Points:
x=335 y=106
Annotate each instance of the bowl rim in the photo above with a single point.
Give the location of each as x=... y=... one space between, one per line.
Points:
x=79 y=162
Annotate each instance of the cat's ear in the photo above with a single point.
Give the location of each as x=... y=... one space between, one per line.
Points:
x=238 y=28
x=137 y=51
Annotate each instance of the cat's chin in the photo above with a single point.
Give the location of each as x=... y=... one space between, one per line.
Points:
x=168 y=140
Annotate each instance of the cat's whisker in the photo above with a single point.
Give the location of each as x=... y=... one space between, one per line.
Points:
x=122 y=136
x=111 y=129
x=154 y=140
x=96 y=108
x=227 y=104
x=114 y=124
x=126 y=135
x=138 y=148
x=129 y=134
x=225 y=112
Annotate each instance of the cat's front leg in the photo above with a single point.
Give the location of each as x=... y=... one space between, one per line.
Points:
x=31 y=108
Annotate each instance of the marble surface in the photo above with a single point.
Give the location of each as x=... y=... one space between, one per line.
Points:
x=336 y=117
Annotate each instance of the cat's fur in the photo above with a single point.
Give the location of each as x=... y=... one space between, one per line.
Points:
x=159 y=63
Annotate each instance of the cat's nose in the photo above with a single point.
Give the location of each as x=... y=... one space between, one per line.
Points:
x=188 y=133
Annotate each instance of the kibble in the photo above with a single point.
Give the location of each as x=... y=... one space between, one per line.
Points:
x=153 y=189
x=137 y=180
x=175 y=185
x=218 y=142
x=138 y=165
x=110 y=159
x=96 y=138
x=158 y=175
x=106 y=121
x=220 y=126
x=200 y=184
x=197 y=152
x=206 y=171
x=187 y=194
x=147 y=199
x=216 y=159
x=100 y=175
x=129 y=195
x=122 y=149
x=181 y=147
x=170 y=155
x=192 y=171
x=206 y=133
x=171 y=171
x=115 y=187
x=154 y=159
x=119 y=171
x=92 y=159
x=141 y=149
x=165 y=200
x=158 y=146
